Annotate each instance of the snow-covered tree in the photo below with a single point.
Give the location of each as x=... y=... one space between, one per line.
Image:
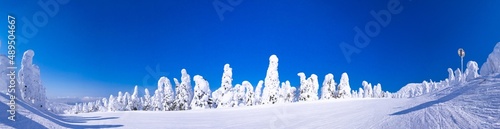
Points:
x=237 y=96
x=458 y=76
x=368 y=91
x=329 y=87
x=156 y=101
x=127 y=100
x=146 y=104
x=361 y=93
x=272 y=82
x=290 y=92
x=377 y=91
x=258 y=93
x=471 y=71
x=201 y=93
x=222 y=96
x=182 y=92
x=30 y=84
x=492 y=64
x=240 y=95
x=111 y=103
x=451 y=76
x=135 y=101
x=119 y=103
x=344 y=88
x=168 y=94
x=104 y=106
x=249 y=95
x=308 y=88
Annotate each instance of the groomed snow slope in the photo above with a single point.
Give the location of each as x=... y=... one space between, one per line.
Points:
x=470 y=105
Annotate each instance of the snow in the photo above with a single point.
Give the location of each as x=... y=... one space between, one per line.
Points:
x=492 y=64
x=474 y=104
x=30 y=84
x=4 y=79
x=463 y=100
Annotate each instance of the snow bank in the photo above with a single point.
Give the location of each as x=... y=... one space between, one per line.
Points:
x=492 y=64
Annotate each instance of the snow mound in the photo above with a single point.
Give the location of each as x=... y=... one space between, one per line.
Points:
x=492 y=64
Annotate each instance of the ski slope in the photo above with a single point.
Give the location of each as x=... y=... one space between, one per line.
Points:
x=474 y=104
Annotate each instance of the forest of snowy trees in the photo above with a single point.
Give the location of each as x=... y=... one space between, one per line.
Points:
x=183 y=96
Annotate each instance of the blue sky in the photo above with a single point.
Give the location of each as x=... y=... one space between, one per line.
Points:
x=96 y=48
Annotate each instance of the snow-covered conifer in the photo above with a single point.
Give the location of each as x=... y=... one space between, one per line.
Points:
x=146 y=104
x=249 y=95
x=272 y=82
x=30 y=85
x=201 y=93
x=328 y=88
x=168 y=94
x=135 y=101
x=471 y=71
x=182 y=92
x=258 y=93
x=368 y=91
x=344 y=88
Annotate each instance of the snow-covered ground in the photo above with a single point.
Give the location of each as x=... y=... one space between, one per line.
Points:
x=475 y=104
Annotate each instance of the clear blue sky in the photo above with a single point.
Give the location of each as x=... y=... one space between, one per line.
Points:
x=96 y=48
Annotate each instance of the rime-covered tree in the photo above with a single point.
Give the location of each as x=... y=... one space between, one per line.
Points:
x=182 y=92
x=156 y=101
x=377 y=91
x=201 y=93
x=168 y=94
x=471 y=71
x=272 y=82
x=344 y=88
x=135 y=101
x=258 y=93
x=289 y=92
x=147 y=101
x=240 y=95
x=127 y=100
x=368 y=91
x=249 y=95
x=30 y=84
x=361 y=93
x=223 y=95
x=458 y=76
x=111 y=103
x=329 y=87
x=308 y=88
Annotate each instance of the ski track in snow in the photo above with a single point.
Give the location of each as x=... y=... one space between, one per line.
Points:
x=471 y=105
